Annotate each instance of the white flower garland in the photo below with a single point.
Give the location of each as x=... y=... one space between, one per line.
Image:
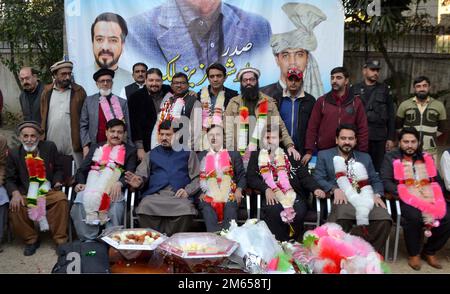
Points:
x=362 y=201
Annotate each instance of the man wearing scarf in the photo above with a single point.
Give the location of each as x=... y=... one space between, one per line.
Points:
x=168 y=180
x=17 y=185
x=99 y=108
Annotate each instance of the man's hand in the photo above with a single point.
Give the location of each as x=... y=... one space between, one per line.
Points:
x=79 y=187
x=292 y=152
x=378 y=201
x=116 y=191
x=181 y=193
x=140 y=154
x=320 y=193
x=306 y=158
x=133 y=180
x=339 y=197
x=270 y=197
x=57 y=187
x=17 y=201
x=389 y=145
x=85 y=151
x=202 y=197
x=238 y=196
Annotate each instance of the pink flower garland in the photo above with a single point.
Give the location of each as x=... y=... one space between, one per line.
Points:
x=117 y=109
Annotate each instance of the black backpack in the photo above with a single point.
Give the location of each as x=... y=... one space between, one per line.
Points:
x=82 y=257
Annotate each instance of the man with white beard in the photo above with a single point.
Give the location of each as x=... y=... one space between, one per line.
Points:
x=34 y=177
x=100 y=108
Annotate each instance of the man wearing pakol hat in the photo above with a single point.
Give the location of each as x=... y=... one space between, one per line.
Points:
x=34 y=178
x=379 y=106
x=293 y=49
x=243 y=110
x=100 y=108
x=61 y=103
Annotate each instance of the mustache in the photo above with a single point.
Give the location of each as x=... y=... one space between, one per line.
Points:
x=106 y=52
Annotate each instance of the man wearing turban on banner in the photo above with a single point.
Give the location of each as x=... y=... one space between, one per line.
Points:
x=293 y=49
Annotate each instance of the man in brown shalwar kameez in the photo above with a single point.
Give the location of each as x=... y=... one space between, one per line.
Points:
x=168 y=179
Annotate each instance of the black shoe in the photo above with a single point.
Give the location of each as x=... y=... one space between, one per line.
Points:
x=30 y=249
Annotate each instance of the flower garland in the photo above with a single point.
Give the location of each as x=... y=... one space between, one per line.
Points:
x=115 y=104
x=37 y=189
x=210 y=117
x=106 y=170
x=417 y=188
x=275 y=175
x=244 y=147
x=352 y=179
x=332 y=251
x=216 y=181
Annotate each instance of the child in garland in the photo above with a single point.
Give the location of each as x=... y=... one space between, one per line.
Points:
x=34 y=179
x=222 y=179
x=285 y=184
x=101 y=181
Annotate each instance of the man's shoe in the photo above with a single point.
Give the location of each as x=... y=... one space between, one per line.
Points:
x=414 y=262
x=432 y=260
x=30 y=249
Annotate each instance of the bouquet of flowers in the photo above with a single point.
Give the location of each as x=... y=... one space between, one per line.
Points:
x=37 y=189
x=333 y=251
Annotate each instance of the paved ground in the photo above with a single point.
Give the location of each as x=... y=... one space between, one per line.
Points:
x=12 y=259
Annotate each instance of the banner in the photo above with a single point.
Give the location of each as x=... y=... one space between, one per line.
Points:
x=188 y=35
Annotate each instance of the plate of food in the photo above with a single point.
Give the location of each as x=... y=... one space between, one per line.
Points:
x=134 y=239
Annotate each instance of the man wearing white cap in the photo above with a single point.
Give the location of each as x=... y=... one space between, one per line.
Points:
x=61 y=103
x=250 y=104
x=293 y=49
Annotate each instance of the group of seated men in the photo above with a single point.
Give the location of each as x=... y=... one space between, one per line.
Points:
x=173 y=182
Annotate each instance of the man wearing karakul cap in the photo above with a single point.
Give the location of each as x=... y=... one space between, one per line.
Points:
x=61 y=103
x=34 y=178
x=293 y=49
x=100 y=108
x=252 y=103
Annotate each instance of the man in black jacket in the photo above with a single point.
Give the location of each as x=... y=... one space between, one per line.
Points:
x=380 y=112
x=295 y=106
x=143 y=107
x=115 y=132
x=300 y=180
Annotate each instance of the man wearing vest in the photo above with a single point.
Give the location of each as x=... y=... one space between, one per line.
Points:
x=379 y=110
x=139 y=70
x=168 y=180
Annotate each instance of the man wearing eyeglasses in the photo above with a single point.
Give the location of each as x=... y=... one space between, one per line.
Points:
x=100 y=108
x=61 y=103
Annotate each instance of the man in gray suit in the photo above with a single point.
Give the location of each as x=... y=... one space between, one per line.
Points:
x=99 y=108
x=198 y=32
x=343 y=212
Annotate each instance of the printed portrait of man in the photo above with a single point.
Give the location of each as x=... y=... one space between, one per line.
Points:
x=198 y=32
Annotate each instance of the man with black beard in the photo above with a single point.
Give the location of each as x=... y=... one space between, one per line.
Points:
x=143 y=106
x=259 y=105
x=424 y=113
